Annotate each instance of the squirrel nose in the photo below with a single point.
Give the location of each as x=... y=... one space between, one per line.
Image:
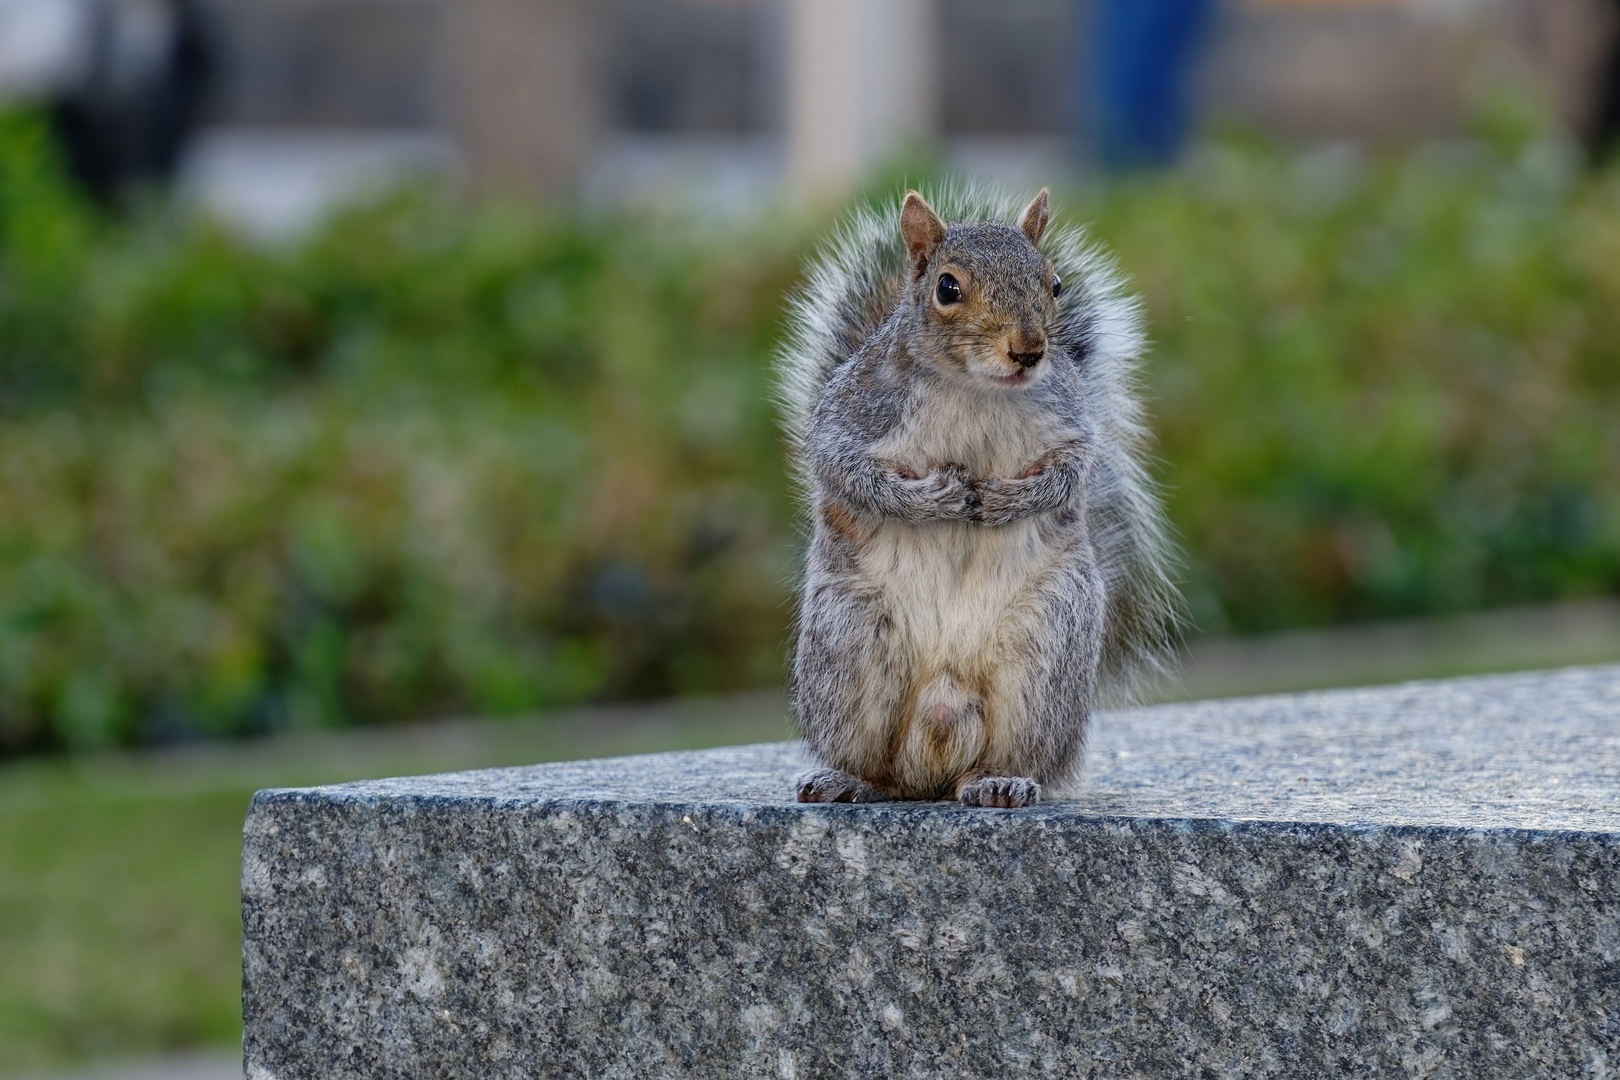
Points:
x=1026 y=353
x=1025 y=349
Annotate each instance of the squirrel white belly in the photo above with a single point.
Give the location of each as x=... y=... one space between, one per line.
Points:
x=986 y=548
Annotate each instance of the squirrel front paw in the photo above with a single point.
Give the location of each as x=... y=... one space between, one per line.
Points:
x=1002 y=791
x=947 y=492
x=1002 y=501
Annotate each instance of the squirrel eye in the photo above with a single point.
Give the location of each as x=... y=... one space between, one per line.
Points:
x=950 y=290
x=1057 y=286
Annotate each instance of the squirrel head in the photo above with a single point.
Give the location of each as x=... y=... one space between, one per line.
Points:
x=983 y=295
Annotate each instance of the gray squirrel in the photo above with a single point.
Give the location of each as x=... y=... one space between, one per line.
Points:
x=987 y=551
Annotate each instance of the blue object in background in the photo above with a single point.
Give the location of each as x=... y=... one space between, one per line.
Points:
x=1139 y=67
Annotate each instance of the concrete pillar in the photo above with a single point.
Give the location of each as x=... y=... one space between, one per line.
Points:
x=529 y=94
x=1567 y=42
x=862 y=84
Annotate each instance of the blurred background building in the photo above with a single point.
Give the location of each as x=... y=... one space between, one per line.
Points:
x=727 y=101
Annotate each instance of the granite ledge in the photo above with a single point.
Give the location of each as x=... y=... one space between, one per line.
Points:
x=1539 y=751
x=1421 y=880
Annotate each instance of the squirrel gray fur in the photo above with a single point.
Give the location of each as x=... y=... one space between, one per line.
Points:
x=987 y=551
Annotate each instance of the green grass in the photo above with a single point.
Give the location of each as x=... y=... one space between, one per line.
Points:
x=119 y=899
x=118 y=923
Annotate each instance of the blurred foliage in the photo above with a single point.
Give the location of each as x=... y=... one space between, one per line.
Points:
x=1385 y=385
x=420 y=463
x=429 y=460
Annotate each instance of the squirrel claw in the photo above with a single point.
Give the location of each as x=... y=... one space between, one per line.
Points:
x=948 y=489
x=999 y=501
x=832 y=785
x=1000 y=791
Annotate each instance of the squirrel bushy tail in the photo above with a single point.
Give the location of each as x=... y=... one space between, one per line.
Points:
x=854 y=282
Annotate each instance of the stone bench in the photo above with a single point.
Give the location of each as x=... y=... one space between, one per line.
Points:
x=1421 y=880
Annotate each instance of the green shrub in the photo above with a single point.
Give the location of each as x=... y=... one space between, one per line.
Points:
x=1385 y=385
x=432 y=460
x=421 y=463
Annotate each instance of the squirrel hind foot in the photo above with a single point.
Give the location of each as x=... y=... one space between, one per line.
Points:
x=834 y=785
x=1000 y=791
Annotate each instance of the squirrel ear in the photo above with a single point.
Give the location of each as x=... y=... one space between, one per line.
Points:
x=922 y=230
x=1035 y=216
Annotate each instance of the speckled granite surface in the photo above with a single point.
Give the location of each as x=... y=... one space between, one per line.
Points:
x=1415 y=881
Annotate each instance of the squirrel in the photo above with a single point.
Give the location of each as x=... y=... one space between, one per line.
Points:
x=987 y=551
